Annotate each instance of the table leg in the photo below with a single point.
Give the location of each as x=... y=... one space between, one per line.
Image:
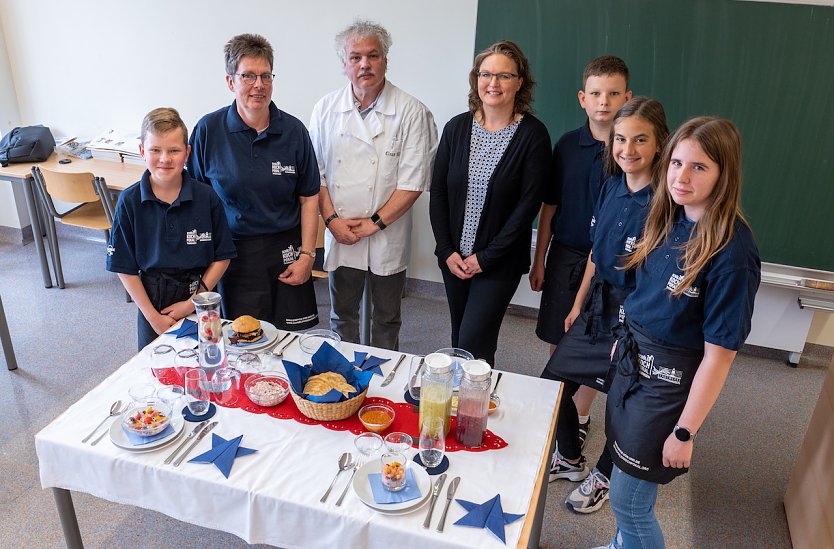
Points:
x=538 y=517
x=69 y=522
x=6 y=340
x=37 y=234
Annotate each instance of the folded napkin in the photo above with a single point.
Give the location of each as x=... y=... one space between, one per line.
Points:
x=223 y=453
x=139 y=440
x=487 y=515
x=241 y=344
x=368 y=363
x=327 y=359
x=381 y=495
x=188 y=328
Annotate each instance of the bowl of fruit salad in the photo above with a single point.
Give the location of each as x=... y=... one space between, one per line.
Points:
x=147 y=419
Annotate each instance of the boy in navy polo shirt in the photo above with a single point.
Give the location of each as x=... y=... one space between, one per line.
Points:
x=170 y=238
x=569 y=204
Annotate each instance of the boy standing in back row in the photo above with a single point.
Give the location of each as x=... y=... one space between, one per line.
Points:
x=565 y=217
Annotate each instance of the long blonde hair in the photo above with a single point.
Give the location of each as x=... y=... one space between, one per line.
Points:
x=720 y=140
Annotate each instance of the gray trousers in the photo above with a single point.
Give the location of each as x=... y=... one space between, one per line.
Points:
x=346 y=288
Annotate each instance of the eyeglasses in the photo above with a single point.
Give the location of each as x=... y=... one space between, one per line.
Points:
x=250 y=78
x=501 y=76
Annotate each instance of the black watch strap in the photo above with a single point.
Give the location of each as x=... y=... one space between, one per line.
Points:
x=378 y=222
x=331 y=218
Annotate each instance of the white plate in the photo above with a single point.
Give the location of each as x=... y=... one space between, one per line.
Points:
x=119 y=438
x=363 y=489
x=270 y=331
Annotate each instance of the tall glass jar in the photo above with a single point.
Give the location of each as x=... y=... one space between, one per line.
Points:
x=473 y=403
x=212 y=345
x=436 y=389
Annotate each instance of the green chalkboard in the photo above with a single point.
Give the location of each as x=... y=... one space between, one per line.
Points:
x=768 y=67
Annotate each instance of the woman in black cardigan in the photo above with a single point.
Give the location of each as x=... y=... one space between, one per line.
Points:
x=492 y=165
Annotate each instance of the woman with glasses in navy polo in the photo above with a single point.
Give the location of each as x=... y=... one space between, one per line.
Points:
x=261 y=163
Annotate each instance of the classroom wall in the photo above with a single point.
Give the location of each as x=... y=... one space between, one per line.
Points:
x=83 y=67
x=12 y=210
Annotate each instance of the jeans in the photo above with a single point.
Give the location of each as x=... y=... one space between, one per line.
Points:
x=632 y=500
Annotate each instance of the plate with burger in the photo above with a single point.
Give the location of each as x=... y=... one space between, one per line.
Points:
x=249 y=333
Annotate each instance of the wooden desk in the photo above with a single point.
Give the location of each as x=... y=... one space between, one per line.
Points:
x=116 y=175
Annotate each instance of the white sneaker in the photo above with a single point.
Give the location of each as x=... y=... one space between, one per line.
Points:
x=590 y=495
x=616 y=543
x=559 y=468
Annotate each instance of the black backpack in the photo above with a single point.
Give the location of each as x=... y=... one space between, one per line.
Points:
x=27 y=144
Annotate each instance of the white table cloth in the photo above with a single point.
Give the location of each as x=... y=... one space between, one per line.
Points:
x=273 y=496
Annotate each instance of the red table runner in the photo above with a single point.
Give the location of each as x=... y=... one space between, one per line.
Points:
x=406 y=420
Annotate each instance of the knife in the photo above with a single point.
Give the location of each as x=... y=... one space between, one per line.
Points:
x=434 y=493
x=191 y=435
x=203 y=433
x=393 y=372
x=450 y=493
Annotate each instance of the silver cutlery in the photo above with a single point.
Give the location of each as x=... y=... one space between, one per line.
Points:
x=350 y=480
x=345 y=463
x=268 y=348
x=438 y=485
x=497 y=381
x=450 y=493
x=115 y=409
x=413 y=379
x=280 y=352
x=393 y=372
x=191 y=435
x=203 y=433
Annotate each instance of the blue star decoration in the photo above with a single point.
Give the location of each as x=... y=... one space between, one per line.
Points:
x=367 y=362
x=223 y=453
x=488 y=515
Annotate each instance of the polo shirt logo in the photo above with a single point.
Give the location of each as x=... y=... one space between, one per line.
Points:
x=111 y=249
x=669 y=375
x=279 y=169
x=629 y=243
x=289 y=255
x=193 y=237
x=646 y=365
x=593 y=220
x=621 y=314
x=675 y=279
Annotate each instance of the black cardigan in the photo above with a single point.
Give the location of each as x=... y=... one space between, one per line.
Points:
x=515 y=193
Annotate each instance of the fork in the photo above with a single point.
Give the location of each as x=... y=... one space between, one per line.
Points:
x=280 y=352
x=349 y=482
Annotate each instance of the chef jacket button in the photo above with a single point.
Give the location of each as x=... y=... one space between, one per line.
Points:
x=366 y=212
x=369 y=186
x=341 y=209
x=373 y=161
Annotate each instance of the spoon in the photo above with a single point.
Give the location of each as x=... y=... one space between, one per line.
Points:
x=345 y=463
x=114 y=411
x=497 y=381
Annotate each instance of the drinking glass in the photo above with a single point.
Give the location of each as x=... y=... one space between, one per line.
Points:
x=393 y=471
x=196 y=390
x=432 y=441
x=368 y=443
x=187 y=359
x=141 y=392
x=310 y=341
x=398 y=443
x=247 y=363
x=458 y=356
x=226 y=384
x=415 y=370
x=162 y=358
x=172 y=395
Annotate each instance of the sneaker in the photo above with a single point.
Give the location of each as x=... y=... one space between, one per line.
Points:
x=616 y=543
x=559 y=468
x=591 y=494
x=584 y=429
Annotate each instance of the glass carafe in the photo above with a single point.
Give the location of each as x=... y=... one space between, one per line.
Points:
x=212 y=345
x=436 y=389
x=473 y=403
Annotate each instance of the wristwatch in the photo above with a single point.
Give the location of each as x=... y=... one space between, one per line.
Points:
x=378 y=222
x=683 y=434
x=305 y=252
x=331 y=218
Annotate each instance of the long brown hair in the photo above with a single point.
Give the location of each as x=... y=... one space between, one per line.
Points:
x=720 y=140
x=651 y=111
x=524 y=96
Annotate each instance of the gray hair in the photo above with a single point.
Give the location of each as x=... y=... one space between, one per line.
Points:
x=246 y=45
x=363 y=29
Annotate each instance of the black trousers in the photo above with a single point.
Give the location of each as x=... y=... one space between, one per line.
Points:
x=567 y=426
x=477 y=307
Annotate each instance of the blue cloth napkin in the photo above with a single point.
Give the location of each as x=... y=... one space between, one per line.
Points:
x=487 y=515
x=327 y=359
x=241 y=344
x=223 y=453
x=139 y=440
x=368 y=363
x=381 y=495
x=188 y=328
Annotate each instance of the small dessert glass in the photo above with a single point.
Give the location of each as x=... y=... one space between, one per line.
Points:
x=393 y=471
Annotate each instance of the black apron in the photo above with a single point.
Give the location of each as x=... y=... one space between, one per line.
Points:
x=645 y=401
x=250 y=285
x=165 y=287
x=584 y=353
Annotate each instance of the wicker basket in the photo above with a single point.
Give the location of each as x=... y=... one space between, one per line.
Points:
x=329 y=411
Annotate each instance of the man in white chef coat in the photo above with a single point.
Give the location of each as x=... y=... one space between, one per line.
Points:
x=375 y=145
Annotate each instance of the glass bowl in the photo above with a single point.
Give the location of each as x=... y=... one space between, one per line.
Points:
x=148 y=419
x=312 y=340
x=267 y=388
x=494 y=403
x=376 y=417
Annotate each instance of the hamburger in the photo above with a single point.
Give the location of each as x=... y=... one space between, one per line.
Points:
x=246 y=329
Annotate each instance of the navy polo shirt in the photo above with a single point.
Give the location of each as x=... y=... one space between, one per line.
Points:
x=717 y=308
x=258 y=177
x=616 y=227
x=578 y=178
x=149 y=234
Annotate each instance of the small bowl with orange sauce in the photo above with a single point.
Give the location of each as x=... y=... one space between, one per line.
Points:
x=376 y=417
x=494 y=403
